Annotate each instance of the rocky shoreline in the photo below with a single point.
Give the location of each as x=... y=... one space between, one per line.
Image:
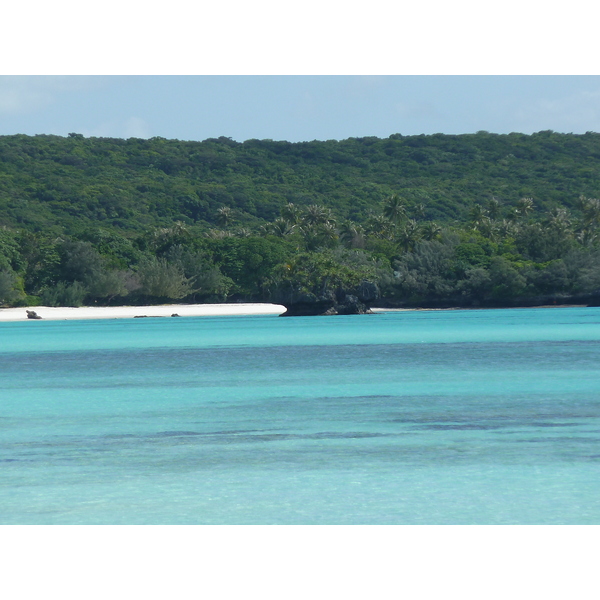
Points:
x=356 y=301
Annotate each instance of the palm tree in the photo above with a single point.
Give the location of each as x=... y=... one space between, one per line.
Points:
x=477 y=216
x=352 y=235
x=485 y=227
x=224 y=216
x=524 y=207
x=506 y=227
x=291 y=213
x=559 y=219
x=315 y=214
x=590 y=207
x=493 y=208
x=279 y=227
x=587 y=237
x=394 y=208
x=380 y=227
x=409 y=235
x=430 y=231
x=320 y=235
x=218 y=234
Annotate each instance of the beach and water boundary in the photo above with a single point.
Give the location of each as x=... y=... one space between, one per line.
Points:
x=58 y=313
x=68 y=313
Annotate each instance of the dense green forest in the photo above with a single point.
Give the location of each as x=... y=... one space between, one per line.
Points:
x=433 y=220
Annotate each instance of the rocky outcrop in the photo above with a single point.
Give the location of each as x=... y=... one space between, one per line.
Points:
x=340 y=302
x=31 y=314
x=304 y=305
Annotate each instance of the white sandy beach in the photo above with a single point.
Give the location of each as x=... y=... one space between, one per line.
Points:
x=50 y=313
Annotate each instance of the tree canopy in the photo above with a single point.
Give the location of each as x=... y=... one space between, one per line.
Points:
x=475 y=219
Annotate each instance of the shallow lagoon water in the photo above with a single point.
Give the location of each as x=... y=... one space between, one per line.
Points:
x=427 y=417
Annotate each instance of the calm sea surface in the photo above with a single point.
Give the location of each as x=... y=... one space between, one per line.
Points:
x=442 y=417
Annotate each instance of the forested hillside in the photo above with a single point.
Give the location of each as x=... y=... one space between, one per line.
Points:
x=437 y=220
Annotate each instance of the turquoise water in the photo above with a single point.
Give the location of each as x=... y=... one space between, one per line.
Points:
x=432 y=417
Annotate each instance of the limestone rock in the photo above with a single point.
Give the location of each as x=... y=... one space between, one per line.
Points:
x=340 y=302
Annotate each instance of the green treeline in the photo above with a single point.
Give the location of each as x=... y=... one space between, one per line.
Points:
x=439 y=220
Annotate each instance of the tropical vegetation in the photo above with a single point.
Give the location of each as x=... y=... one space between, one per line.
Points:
x=440 y=220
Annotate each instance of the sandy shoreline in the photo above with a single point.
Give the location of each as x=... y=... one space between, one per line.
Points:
x=50 y=313
x=379 y=310
x=64 y=313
